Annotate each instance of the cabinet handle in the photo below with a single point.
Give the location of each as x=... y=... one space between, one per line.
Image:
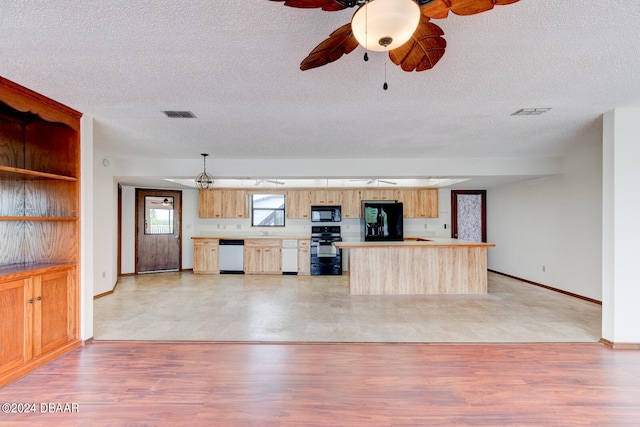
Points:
x=31 y=301
x=39 y=298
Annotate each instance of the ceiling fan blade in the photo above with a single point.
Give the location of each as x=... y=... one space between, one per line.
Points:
x=340 y=42
x=328 y=5
x=423 y=50
x=439 y=9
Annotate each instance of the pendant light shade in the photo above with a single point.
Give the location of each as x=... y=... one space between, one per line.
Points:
x=381 y=25
x=204 y=181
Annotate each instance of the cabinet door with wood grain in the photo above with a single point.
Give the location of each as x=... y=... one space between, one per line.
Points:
x=233 y=203
x=53 y=315
x=209 y=204
x=206 y=256
x=298 y=204
x=351 y=204
x=15 y=328
x=304 y=257
x=271 y=260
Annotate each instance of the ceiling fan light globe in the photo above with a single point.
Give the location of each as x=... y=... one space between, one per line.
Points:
x=377 y=21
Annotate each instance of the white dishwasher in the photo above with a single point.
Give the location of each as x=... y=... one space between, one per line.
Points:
x=231 y=256
x=289 y=257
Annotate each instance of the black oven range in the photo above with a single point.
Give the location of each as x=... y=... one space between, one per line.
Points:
x=326 y=259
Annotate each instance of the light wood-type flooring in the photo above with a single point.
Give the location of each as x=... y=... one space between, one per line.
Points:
x=248 y=384
x=231 y=308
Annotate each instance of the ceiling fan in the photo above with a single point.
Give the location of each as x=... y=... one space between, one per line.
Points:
x=272 y=181
x=400 y=27
x=374 y=181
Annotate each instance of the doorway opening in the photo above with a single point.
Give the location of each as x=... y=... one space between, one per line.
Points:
x=469 y=215
x=158 y=231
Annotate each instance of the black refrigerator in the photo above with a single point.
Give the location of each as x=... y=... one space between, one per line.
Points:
x=381 y=221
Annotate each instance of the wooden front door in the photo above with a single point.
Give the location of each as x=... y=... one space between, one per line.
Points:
x=158 y=230
x=469 y=215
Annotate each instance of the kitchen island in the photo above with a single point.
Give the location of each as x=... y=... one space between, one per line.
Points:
x=417 y=266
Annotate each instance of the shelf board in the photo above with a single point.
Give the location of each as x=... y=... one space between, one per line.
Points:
x=18 y=271
x=38 y=218
x=11 y=172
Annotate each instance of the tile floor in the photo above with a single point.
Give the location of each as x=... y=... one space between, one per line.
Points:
x=183 y=306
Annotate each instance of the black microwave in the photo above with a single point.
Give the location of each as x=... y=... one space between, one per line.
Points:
x=326 y=214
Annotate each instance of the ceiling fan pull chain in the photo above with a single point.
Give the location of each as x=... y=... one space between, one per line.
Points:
x=385 y=86
x=366 y=33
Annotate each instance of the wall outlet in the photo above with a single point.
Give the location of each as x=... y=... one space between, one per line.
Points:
x=104 y=274
x=238 y=226
x=544 y=268
x=425 y=226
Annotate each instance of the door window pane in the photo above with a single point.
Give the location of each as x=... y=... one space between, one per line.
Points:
x=158 y=215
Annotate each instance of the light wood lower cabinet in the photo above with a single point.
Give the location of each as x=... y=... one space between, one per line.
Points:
x=263 y=256
x=38 y=319
x=304 y=257
x=206 y=256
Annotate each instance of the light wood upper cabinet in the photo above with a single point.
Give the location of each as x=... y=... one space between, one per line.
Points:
x=234 y=203
x=326 y=196
x=351 y=204
x=209 y=204
x=298 y=204
x=419 y=202
x=206 y=256
x=222 y=203
x=379 y=194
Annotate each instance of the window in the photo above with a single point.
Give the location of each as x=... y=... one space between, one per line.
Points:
x=267 y=210
x=158 y=215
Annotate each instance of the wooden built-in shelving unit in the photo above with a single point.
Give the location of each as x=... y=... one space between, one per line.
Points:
x=39 y=229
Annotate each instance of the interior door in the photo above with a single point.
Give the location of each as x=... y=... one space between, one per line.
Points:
x=469 y=215
x=158 y=230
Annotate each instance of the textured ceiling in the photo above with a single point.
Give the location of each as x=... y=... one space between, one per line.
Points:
x=235 y=65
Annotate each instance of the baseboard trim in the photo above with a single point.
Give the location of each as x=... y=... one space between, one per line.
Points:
x=548 y=287
x=104 y=294
x=620 y=346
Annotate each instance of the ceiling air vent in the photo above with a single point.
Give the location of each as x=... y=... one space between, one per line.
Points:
x=180 y=114
x=530 y=111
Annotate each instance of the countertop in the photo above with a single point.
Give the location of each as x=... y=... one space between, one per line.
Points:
x=438 y=242
x=245 y=237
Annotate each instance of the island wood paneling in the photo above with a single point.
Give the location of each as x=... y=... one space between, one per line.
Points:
x=409 y=270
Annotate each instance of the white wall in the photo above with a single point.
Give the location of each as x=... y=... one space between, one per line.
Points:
x=621 y=228
x=86 y=227
x=189 y=216
x=105 y=243
x=554 y=222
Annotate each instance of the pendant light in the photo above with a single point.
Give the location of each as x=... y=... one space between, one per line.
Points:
x=204 y=181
